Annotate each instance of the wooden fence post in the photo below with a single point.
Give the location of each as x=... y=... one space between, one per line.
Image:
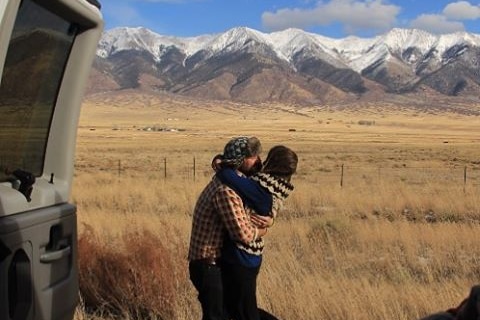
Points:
x=194 y=168
x=341 y=178
x=165 y=168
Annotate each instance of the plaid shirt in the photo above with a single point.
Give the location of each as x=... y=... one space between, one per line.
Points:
x=218 y=210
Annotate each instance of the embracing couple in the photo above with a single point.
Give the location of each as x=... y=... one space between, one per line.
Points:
x=231 y=216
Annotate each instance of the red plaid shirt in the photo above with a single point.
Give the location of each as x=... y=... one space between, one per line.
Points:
x=218 y=210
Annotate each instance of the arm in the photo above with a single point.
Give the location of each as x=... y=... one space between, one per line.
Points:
x=250 y=191
x=232 y=213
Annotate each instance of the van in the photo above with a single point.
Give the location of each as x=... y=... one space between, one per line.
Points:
x=46 y=51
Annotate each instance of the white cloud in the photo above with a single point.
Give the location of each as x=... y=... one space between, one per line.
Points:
x=123 y=14
x=462 y=10
x=436 y=23
x=355 y=15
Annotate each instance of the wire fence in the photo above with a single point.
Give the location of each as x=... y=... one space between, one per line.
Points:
x=409 y=175
x=337 y=174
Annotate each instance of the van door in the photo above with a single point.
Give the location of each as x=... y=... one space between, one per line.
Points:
x=46 y=51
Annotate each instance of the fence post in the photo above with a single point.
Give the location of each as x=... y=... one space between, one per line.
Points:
x=165 y=168
x=194 y=168
x=341 y=178
x=464 y=178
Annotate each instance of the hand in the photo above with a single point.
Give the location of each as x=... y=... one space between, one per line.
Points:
x=262 y=232
x=261 y=221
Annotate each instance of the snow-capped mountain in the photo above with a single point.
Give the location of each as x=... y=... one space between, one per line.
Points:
x=290 y=65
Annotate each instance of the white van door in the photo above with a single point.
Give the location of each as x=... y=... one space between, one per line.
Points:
x=46 y=51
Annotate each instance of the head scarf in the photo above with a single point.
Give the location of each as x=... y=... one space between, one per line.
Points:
x=235 y=151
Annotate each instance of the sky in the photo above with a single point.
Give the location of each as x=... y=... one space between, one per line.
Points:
x=330 y=18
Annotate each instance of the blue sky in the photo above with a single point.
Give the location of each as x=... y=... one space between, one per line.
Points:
x=331 y=18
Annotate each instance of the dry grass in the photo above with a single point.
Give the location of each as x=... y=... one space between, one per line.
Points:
x=396 y=241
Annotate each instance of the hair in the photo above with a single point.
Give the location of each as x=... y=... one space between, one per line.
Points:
x=254 y=147
x=281 y=162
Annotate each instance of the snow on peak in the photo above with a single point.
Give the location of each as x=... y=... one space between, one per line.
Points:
x=125 y=38
x=235 y=39
x=458 y=38
x=354 y=52
x=401 y=39
x=290 y=41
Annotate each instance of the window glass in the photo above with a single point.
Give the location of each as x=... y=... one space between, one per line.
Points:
x=37 y=54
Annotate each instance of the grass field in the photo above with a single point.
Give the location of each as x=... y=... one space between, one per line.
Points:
x=382 y=223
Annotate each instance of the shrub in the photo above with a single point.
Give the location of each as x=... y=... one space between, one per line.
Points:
x=134 y=279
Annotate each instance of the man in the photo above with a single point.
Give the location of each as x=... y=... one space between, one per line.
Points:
x=219 y=212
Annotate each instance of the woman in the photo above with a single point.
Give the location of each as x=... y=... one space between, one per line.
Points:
x=263 y=195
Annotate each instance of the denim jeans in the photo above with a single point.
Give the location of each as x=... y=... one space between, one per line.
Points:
x=207 y=279
x=240 y=286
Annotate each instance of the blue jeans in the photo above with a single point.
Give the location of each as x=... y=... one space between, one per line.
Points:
x=240 y=287
x=207 y=279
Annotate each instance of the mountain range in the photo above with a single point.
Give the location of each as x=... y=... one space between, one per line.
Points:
x=290 y=66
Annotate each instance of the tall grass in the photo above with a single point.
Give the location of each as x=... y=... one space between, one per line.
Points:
x=396 y=241
x=381 y=251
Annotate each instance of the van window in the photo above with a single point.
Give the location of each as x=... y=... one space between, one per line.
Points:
x=37 y=54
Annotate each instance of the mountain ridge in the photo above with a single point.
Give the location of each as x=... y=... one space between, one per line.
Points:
x=292 y=66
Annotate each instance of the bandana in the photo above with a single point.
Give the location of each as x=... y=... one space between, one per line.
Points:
x=235 y=151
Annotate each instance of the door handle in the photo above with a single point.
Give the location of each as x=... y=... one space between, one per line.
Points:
x=52 y=256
